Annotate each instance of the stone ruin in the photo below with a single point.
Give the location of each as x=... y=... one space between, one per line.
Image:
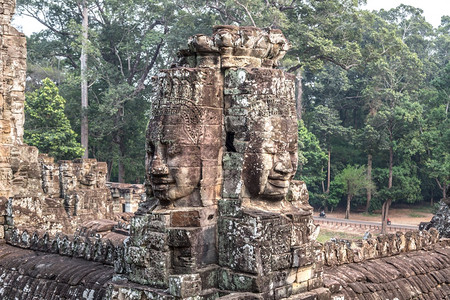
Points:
x=222 y=217
x=441 y=219
x=44 y=194
x=221 y=155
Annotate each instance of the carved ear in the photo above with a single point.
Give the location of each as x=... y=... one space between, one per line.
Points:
x=192 y=116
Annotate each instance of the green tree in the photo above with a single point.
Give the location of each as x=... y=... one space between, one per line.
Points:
x=327 y=126
x=47 y=126
x=370 y=141
x=436 y=135
x=312 y=160
x=354 y=181
x=127 y=41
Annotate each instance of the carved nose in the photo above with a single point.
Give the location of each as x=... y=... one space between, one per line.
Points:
x=283 y=163
x=159 y=167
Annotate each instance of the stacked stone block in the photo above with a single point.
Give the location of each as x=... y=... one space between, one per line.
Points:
x=345 y=252
x=126 y=197
x=261 y=245
x=12 y=92
x=106 y=251
x=173 y=238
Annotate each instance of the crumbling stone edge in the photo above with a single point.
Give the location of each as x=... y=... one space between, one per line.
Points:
x=345 y=251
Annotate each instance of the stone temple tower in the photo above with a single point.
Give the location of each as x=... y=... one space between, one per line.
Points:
x=12 y=92
x=223 y=217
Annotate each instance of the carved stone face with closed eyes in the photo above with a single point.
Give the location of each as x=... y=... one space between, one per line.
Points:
x=173 y=163
x=270 y=161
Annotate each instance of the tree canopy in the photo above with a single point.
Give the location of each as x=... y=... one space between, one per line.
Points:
x=47 y=127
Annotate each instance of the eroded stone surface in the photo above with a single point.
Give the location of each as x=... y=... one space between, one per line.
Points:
x=12 y=92
x=184 y=138
x=28 y=274
x=441 y=220
x=233 y=46
x=419 y=274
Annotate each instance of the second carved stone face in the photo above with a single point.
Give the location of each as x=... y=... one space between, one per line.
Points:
x=270 y=161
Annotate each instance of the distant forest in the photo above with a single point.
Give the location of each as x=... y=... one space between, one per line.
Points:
x=374 y=94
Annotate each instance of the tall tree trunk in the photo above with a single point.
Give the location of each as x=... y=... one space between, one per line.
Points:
x=121 y=178
x=323 y=184
x=384 y=215
x=443 y=187
x=84 y=85
x=347 y=211
x=444 y=192
x=388 y=202
x=298 y=95
x=109 y=165
x=369 y=178
x=121 y=163
x=329 y=170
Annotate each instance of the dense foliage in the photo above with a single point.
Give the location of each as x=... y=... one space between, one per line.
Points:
x=47 y=126
x=375 y=84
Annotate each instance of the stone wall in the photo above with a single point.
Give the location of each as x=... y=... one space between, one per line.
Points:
x=45 y=195
x=345 y=251
x=106 y=251
x=126 y=197
x=12 y=81
x=57 y=197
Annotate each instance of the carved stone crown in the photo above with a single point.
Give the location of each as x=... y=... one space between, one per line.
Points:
x=240 y=46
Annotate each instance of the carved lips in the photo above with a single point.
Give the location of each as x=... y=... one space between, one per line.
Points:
x=279 y=183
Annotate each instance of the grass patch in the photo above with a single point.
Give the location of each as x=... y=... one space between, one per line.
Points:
x=423 y=209
x=370 y=214
x=415 y=215
x=325 y=235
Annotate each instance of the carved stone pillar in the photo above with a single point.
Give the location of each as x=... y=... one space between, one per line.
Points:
x=173 y=235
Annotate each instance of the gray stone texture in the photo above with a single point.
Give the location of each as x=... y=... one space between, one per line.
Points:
x=441 y=220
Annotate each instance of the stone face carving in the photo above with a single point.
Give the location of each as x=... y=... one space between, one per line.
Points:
x=261 y=129
x=270 y=160
x=184 y=138
x=174 y=163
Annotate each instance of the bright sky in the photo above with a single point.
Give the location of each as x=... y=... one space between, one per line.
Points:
x=433 y=10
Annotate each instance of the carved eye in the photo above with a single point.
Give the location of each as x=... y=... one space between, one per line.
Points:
x=173 y=150
x=271 y=149
x=151 y=148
